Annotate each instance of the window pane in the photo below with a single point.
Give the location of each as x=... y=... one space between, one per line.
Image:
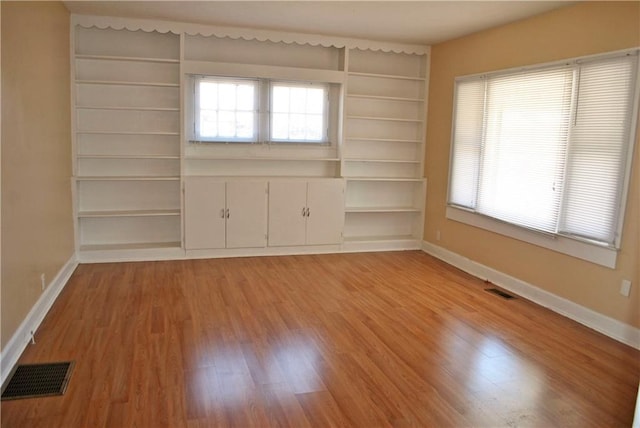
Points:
x=244 y=125
x=297 y=127
x=245 y=97
x=298 y=113
x=208 y=123
x=208 y=95
x=315 y=101
x=298 y=100
x=314 y=127
x=280 y=126
x=226 y=122
x=227 y=110
x=227 y=96
x=280 y=99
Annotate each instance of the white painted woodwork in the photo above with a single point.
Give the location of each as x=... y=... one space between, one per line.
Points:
x=325 y=218
x=221 y=214
x=305 y=212
x=247 y=214
x=287 y=213
x=131 y=151
x=204 y=213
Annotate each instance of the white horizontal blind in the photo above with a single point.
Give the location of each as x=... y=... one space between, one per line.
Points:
x=546 y=148
x=468 y=123
x=599 y=145
x=527 y=117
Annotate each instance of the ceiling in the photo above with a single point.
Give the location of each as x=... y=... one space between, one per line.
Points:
x=416 y=22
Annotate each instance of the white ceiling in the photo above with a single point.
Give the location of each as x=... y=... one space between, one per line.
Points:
x=418 y=22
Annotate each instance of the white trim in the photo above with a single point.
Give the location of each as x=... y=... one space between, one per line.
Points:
x=18 y=342
x=146 y=25
x=615 y=329
x=593 y=253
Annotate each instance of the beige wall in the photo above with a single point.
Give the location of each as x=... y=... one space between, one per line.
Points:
x=37 y=221
x=582 y=29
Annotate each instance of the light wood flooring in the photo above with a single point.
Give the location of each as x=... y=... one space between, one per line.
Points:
x=362 y=340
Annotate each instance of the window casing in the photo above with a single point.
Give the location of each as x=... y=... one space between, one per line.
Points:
x=237 y=110
x=547 y=148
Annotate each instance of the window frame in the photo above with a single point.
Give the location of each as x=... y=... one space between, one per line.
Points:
x=263 y=111
x=272 y=83
x=576 y=246
x=196 y=109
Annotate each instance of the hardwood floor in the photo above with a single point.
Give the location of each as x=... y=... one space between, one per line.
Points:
x=379 y=339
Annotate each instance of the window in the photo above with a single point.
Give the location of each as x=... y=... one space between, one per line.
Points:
x=547 y=148
x=298 y=112
x=226 y=109
x=234 y=110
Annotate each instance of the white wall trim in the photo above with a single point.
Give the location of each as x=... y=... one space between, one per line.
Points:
x=608 y=326
x=21 y=338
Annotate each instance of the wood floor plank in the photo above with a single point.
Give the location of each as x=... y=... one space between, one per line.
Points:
x=346 y=340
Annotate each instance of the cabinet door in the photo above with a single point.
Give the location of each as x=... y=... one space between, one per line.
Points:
x=247 y=220
x=325 y=199
x=287 y=222
x=204 y=204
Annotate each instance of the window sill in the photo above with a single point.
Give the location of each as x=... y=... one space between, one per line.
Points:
x=593 y=253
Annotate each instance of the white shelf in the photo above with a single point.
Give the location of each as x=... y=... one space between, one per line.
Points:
x=383 y=140
x=129 y=213
x=391 y=119
x=127 y=178
x=176 y=109
x=137 y=246
x=381 y=209
x=127 y=132
x=127 y=58
x=384 y=179
x=379 y=238
x=385 y=98
x=401 y=161
x=386 y=76
x=125 y=83
x=129 y=157
x=259 y=158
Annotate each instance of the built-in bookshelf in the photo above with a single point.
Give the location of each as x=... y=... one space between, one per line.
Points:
x=383 y=149
x=127 y=139
x=133 y=155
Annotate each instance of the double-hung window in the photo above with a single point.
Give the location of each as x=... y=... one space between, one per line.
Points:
x=236 y=110
x=226 y=109
x=547 y=148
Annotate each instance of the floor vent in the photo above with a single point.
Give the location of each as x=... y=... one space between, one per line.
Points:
x=500 y=293
x=38 y=380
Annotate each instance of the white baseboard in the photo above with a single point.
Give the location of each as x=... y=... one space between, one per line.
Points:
x=608 y=326
x=21 y=338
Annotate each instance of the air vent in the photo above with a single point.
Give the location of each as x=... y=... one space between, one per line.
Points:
x=500 y=293
x=38 y=380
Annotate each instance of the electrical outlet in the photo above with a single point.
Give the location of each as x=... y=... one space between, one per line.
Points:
x=625 y=287
x=42 y=281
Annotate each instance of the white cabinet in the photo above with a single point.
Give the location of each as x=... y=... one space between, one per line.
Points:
x=306 y=212
x=221 y=214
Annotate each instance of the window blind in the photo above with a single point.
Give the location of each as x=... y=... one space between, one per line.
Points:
x=598 y=151
x=546 y=148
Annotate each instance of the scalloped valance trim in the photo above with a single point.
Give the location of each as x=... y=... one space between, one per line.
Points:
x=247 y=34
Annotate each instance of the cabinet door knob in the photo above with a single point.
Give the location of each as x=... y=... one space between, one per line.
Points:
x=222 y=213
x=227 y=212
x=308 y=212
x=304 y=212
